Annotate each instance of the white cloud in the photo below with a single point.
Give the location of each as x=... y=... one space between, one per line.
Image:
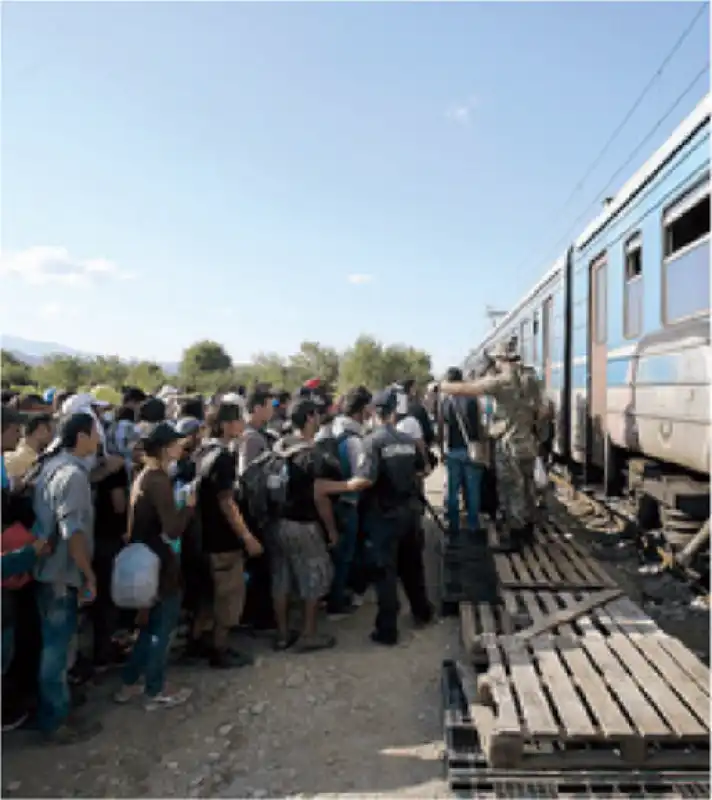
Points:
x=50 y=310
x=461 y=113
x=42 y=265
x=358 y=278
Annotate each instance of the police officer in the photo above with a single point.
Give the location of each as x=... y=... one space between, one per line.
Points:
x=387 y=474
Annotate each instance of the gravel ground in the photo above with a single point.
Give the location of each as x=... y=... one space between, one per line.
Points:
x=666 y=599
x=356 y=719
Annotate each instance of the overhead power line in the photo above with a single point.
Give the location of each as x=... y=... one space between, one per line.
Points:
x=566 y=238
x=629 y=114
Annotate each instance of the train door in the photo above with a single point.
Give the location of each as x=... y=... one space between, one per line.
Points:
x=546 y=341
x=597 y=360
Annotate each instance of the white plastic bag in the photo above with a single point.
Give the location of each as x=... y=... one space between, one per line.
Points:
x=134 y=580
x=541 y=479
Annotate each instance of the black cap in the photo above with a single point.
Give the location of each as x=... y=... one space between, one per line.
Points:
x=161 y=434
x=385 y=401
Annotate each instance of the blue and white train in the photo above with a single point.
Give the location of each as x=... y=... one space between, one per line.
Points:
x=619 y=331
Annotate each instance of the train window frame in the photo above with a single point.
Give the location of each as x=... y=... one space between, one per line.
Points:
x=524 y=336
x=633 y=244
x=600 y=262
x=547 y=313
x=684 y=203
x=535 y=337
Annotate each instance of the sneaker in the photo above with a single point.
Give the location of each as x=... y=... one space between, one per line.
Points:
x=73 y=733
x=13 y=718
x=168 y=698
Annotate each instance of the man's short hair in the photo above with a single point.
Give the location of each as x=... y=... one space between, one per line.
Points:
x=408 y=384
x=73 y=426
x=301 y=412
x=36 y=421
x=453 y=375
x=259 y=396
x=152 y=410
x=132 y=394
x=193 y=407
x=356 y=401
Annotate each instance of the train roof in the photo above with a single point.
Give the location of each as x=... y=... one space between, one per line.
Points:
x=652 y=166
x=507 y=321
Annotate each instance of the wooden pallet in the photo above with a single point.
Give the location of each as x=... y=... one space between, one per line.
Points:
x=628 y=697
x=552 y=563
x=468 y=771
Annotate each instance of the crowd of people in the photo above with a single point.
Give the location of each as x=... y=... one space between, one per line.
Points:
x=193 y=479
x=260 y=509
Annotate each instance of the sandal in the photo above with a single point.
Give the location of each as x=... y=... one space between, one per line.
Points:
x=282 y=643
x=128 y=693
x=168 y=699
x=319 y=641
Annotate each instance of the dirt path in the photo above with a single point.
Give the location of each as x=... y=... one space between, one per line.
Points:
x=357 y=719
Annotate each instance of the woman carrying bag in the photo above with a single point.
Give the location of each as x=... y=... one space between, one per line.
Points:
x=155 y=521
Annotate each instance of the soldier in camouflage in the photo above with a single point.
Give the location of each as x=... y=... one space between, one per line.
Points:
x=518 y=400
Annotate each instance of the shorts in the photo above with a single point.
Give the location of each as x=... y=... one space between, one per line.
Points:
x=299 y=559
x=228 y=571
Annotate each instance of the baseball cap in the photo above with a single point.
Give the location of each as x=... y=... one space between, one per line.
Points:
x=160 y=435
x=385 y=400
x=187 y=426
x=81 y=403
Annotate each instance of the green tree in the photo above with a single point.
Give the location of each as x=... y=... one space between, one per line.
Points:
x=66 y=372
x=203 y=357
x=147 y=375
x=312 y=361
x=15 y=372
x=110 y=370
x=362 y=364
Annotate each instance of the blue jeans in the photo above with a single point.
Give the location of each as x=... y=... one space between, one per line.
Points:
x=150 y=654
x=466 y=475
x=347 y=522
x=58 y=608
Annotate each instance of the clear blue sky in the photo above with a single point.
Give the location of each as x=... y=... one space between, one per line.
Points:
x=178 y=171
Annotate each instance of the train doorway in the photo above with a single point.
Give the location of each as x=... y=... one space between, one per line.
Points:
x=598 y=361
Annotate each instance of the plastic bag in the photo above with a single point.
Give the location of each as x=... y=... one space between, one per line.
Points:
x=134 y=580
x=541 y=479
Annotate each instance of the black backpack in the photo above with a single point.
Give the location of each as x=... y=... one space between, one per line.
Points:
x=263 y=488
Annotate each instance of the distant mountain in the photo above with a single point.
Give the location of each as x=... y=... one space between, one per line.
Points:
x=32 y=352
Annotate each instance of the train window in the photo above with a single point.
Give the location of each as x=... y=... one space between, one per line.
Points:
x=633 y=288
x=686 y=234
x=535 y=337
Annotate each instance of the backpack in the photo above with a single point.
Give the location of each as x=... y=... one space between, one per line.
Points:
x=264 y=486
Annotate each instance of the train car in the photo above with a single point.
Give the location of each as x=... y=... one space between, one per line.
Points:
x=640 y=332
x=619 y=332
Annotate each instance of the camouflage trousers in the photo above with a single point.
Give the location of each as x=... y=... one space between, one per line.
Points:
x=515 y=488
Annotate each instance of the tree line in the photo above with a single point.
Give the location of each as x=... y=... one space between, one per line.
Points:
x=206 y=367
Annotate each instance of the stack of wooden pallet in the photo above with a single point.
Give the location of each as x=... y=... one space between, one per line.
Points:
x=566 y=676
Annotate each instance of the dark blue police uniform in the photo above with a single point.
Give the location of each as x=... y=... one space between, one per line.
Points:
x=391 y=461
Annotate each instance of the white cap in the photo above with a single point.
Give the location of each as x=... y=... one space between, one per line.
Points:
x=81 y=404
x=167 y=391
x=233 y=398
